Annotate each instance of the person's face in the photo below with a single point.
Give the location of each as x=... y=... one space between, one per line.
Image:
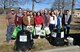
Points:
x=24 y=13
x=41 y=11
x=67 y=12
x=28 y=13
x=45 y=11
x=52 y=13
x=38 y=13
x=34 y=13
x=20 y=10
x=31 y=13
x=12 y=12
x=61 y=10
x=49 y=11
x=57 y=12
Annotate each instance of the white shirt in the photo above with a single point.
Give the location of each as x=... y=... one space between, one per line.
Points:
x=60 y=21
x=66 y=18
x=53 y=21
x=28 y=19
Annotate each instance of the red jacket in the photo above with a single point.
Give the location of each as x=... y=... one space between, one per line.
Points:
x=18 y=20
x=38 y=20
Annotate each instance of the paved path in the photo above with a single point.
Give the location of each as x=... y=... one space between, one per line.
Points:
x=65 y=49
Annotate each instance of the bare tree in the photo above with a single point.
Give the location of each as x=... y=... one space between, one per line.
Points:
x=73 y=6
x=64 y=4
x=72 y=9
x=36 y=1
x=11 y=3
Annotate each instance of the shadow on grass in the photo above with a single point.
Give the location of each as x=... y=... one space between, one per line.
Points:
x=75 y=27
x=76 y=37
x=77 y=21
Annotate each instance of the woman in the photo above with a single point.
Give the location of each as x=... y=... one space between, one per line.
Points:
x=53 y=21
x=38 y=19
x=38 y=24
x=49 y=11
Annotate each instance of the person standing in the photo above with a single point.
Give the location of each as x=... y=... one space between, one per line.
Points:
x=18 y=18
x=38 y=19
x=31 y=14
x=66 y=23
x=53 y=21
x=50 y=11
x=38 y=24
x=10 y=24
x=34 y=14
x=28 y=19
x=59 y=22
x=46 y=18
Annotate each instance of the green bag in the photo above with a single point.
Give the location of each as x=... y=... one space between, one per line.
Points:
x=16 y=29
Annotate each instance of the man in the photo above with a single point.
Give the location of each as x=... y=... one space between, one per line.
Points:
x=66 y=20
x=28 y=19
x=10 y=24
x=18 y=18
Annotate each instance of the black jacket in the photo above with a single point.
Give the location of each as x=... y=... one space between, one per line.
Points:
x=63 y=19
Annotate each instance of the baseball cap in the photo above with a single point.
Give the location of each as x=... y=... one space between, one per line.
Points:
x=12 y=9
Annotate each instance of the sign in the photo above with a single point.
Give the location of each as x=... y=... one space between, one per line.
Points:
x=23 y=38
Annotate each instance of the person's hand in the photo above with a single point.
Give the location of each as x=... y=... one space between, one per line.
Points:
x=29 y=24
x=44 y=25
x=55 y=28
x=7 y=23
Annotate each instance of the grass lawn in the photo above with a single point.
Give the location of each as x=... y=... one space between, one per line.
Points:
x=40 y=44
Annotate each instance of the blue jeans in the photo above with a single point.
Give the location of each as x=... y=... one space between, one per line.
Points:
x=58 y=29
x=66 y=26
x=66 y=30
x=10 y=29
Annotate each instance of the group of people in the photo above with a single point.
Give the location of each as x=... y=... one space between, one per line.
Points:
x=47 y=18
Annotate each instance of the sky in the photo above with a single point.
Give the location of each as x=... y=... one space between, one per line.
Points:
x=77 y=3
x=45 y=4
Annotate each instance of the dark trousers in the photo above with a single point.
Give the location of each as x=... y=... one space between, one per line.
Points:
x=66 y=30
x=51 y=27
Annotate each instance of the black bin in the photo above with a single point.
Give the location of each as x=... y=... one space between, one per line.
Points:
x=57 y=39
x=23 y=41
